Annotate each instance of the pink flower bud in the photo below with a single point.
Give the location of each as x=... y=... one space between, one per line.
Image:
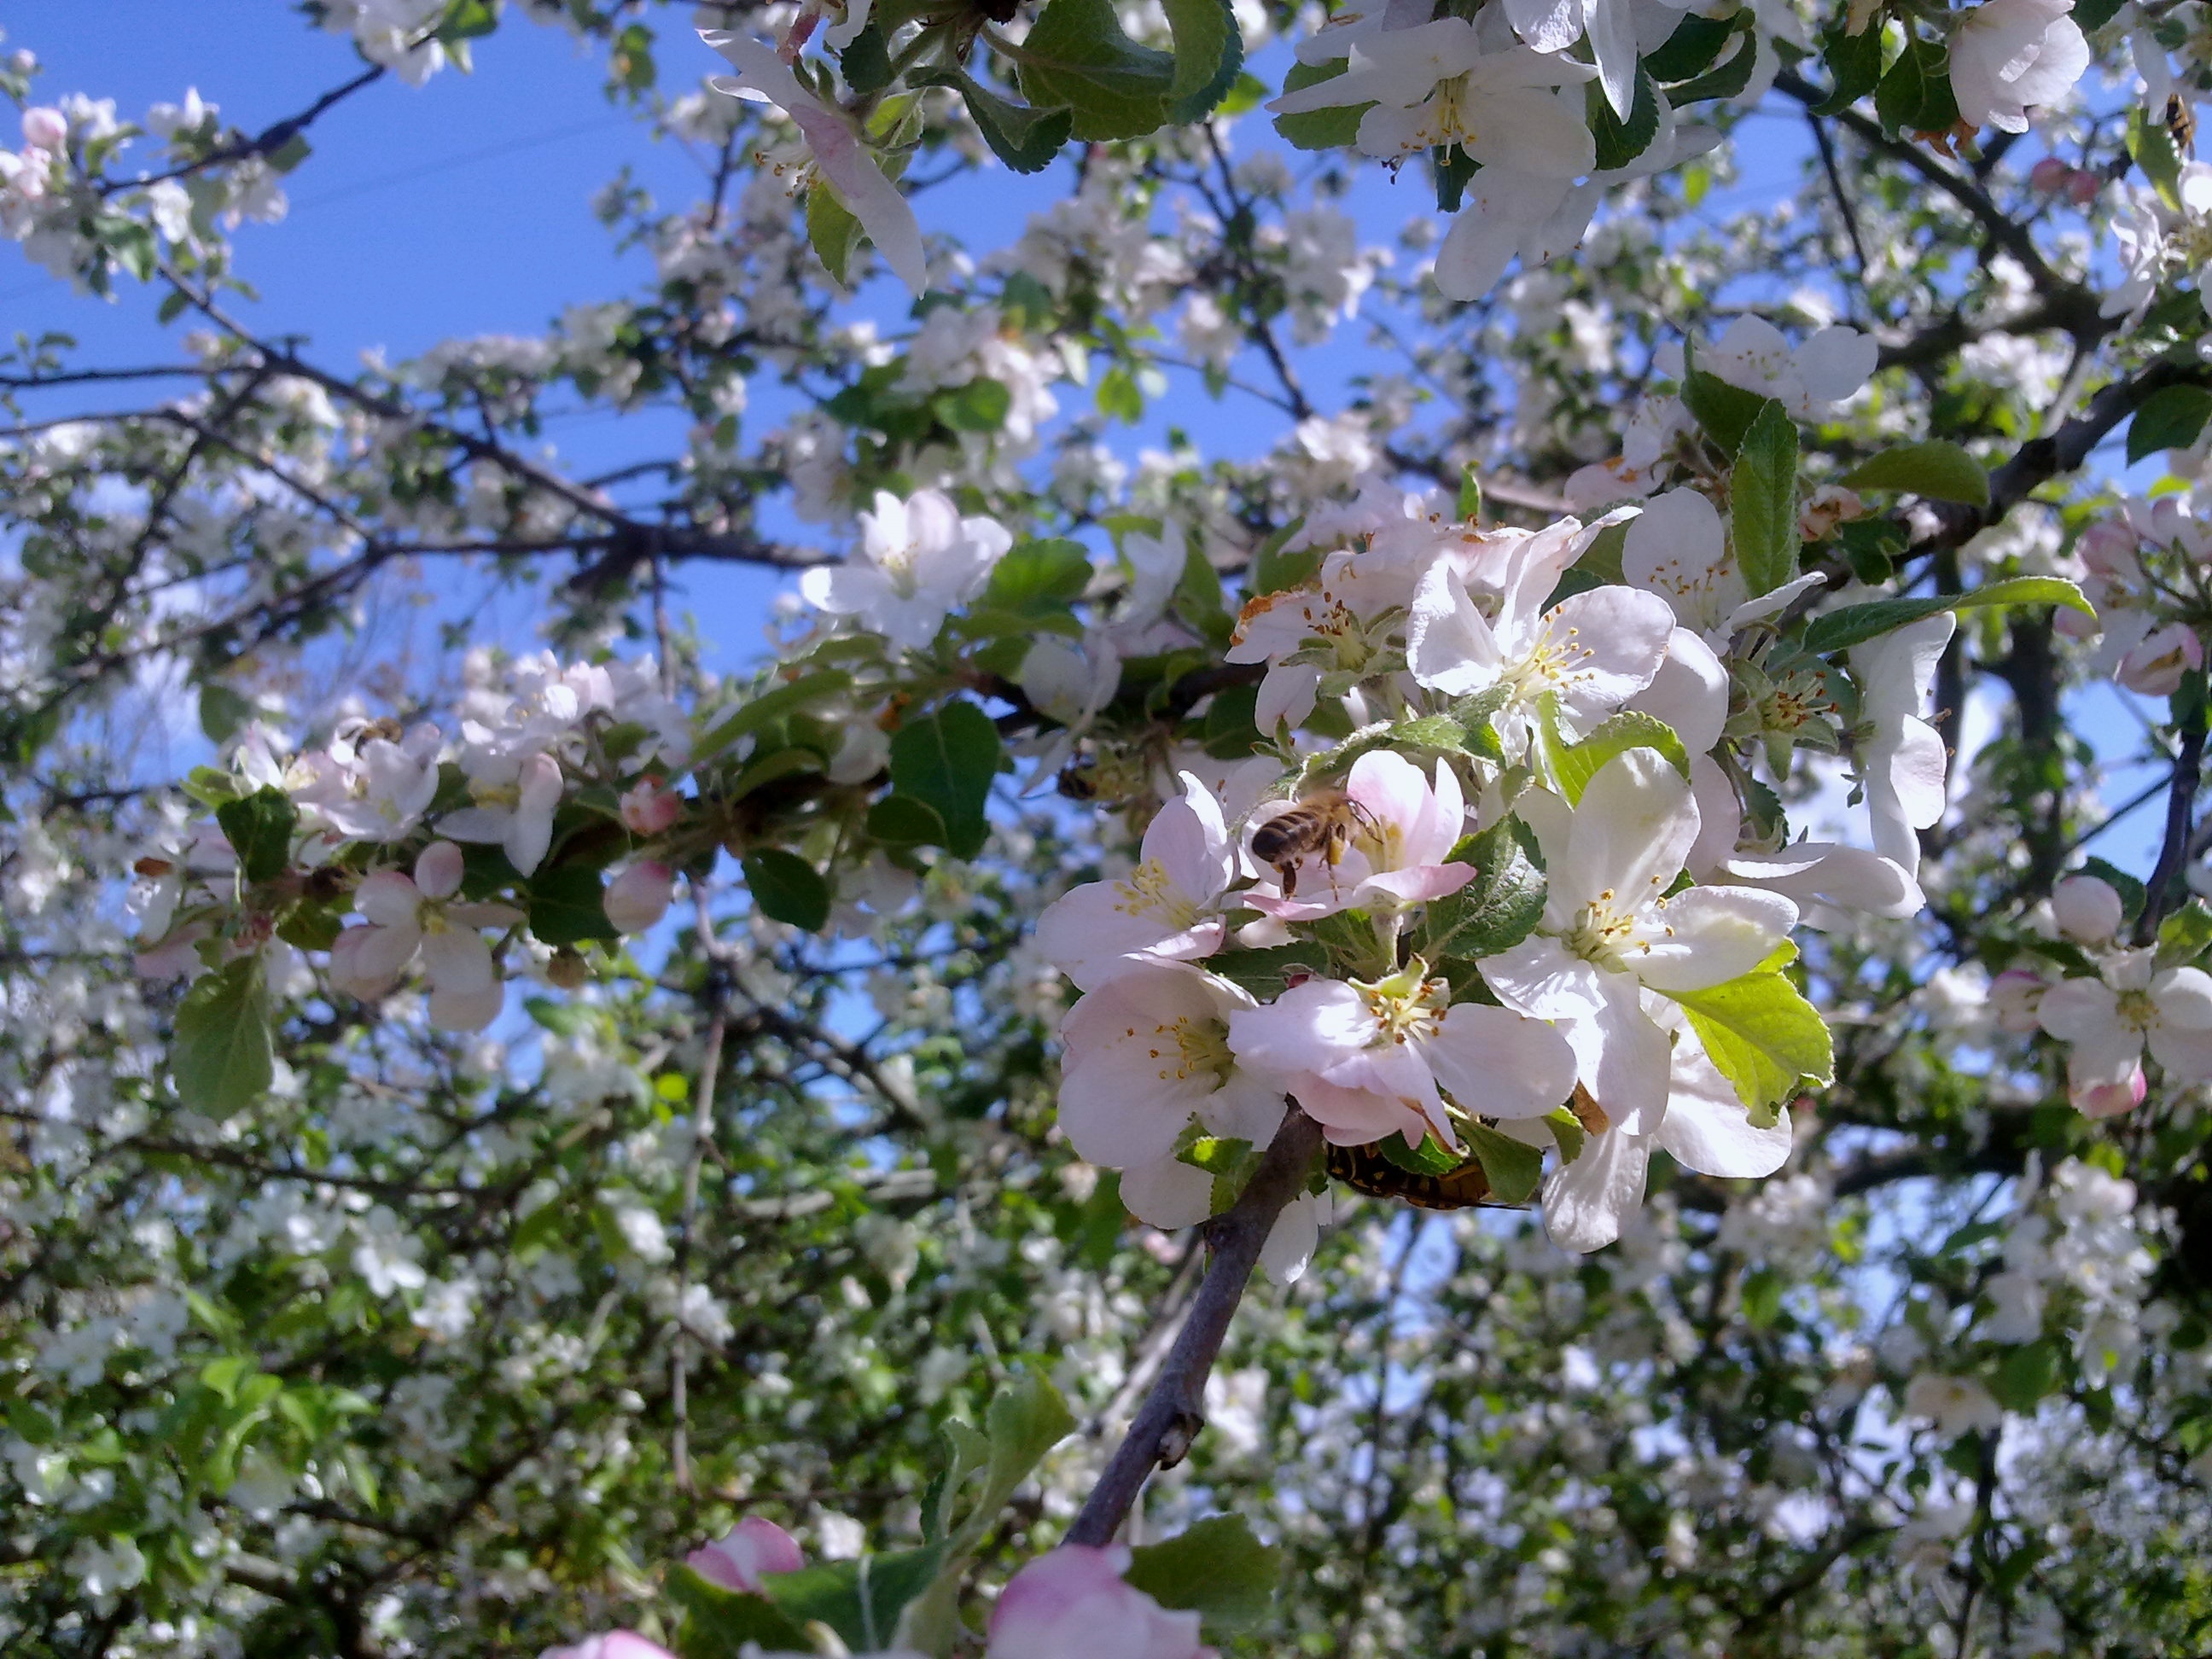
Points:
x=1073 y=1601
x=737 y=1560
x=2013 y=996
x=438 y=871
x=636 y=900
x=46 y=128
x=2075 y=625
x=2157 y=666
x=2107 y=1099
x=2087 y=910
x=2108 y=548
x=2083 y=187
x=648 y=809
x=2049 y=176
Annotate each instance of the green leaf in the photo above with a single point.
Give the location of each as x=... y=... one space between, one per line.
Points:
x=564 y=905
x=1231 y=730
x=1619 y=142
x=786 y=888
x=310 y=927
x=946 y=761
x=1514 y=1169
x=1495 y=911
x=763 y=770
x=1431 y=1157
x=259 y=829
x=769 y=707
x=1854 y=64
x=1209 y=51
x=2026 y=1375
x=719 y=1622
x=2095 y=14
x=1722 y=81
x=1573 y=765
x=1197 y=599
x=1915 y=96
x=1763 y=502
x=1025 y=137
x=1939 y=471
x=1077 y=55
x=1039 y=575
x=2185 y=935
x=1725 y=411
x=1762 y=1297
x=1118 y=396
x=860 y=1600
x=222 y=711
x=2170 y=418
x=2133 y=895
x=1275 y=569
x=1761 y=1033
x=220 y=1060
x=2154 y=150
x=981 y=405
x=1855 y=624
x=1690 y=49
x=1216 y=1568
x=1333 y=128
x=832 y=229
x=1268 y=972
x=865 y=62
x=902 y=821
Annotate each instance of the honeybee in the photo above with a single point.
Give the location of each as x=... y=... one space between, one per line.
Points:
x=1321 y=823
x=1366 y=1169
x=2181 y=123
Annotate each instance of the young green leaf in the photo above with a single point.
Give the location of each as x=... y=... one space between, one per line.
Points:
x=1855 y=624
x=2172 y=418
x=1513 y=1167
x=1939 y=471
x=946 y=761
x=1077 y=55
x=564 y=905
x=719 y=1622
x=220 y=1060
x=1335 y=127
x=259 y=829
x=1573 y=765
x=862 y=1599
x=786 y=888
x=1216 y=1568
x=1763 y=502
x=1495 y=911
x=1025 y=137
x=1209 y=51
x=1762 y=1034
x=832 y=229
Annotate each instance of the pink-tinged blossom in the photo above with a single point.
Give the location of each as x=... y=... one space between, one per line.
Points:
x=637 y=899
x=1074 y=1602
x=1678 y=548
x=918 y=560
x=1901 y=758
x=1371 y=1060
x=2009 y=57
x=1609 y=930
x=738 y=1559
x=366 y=788
x=2016 y=996
x=649 y=807
x=1401 y=833
x=2109 y=1021
x=1809 y=380
x=517 y=816
x=614 y=1645
x=1147 y=1054
x=2156 y=667
x=842 y=158
x=1168 y=909
x=46 y=128
x=1339 y=622
x=1593 y=651
x=407 y=917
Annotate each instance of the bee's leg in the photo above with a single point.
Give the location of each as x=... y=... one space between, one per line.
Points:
x=1287 y=873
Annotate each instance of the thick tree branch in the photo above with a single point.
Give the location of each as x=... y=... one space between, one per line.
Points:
x=1175 y=1411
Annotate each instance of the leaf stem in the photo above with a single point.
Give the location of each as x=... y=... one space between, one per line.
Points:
x=1175 y=1411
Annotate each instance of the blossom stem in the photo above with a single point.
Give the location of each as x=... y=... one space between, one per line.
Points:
x=1174 y=1410
x=2159 y=892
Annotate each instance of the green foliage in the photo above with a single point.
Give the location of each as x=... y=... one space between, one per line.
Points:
x=1215 y=1568
x=764 y=710
x=1621 y=141
x=1209 y=52
x=1854 y=624
x=832 y=231
x=2172 y=418
x=1025 y=137
x=1076 y=55
x=564 y=905
x=1331 y=128
x=259 y=828
x=1572 y=765
x=1495 y=911
x=220 y=1060
x=1763 y=502
x=719 y=1622
x=786 y=888
x=946 y=762
x=1941 y=471
x=1765 y=1039
x=1513 y=1167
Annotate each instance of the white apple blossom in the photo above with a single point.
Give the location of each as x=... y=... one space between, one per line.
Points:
x=1168 y=909
x=1902 y=765
x=1678 y=548
x=1401 y=833
x=1956 y=1405
x=517 y=815
x=407 y=917
x=2109 y=1021
x=1609 y=930
x=2009 y=57
x=917 y=560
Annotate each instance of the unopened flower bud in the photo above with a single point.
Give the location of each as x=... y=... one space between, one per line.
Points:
x=2109 y=1099
x=438 y=871
x=2049 y=176
x=46 y=128
x=23 y=61
x=2076 y=625
x=2157 y=666
x=2108 y=548
x=2086 y=909
x=636 y=900
x=737 y=1560
x=568 y=971
x=647 y=809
